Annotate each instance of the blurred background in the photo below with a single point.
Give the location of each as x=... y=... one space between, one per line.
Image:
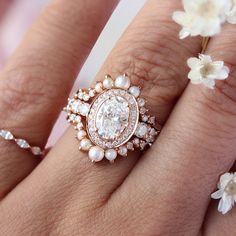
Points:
x=16 y=17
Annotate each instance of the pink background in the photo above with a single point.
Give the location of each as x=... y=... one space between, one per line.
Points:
x=16 y=16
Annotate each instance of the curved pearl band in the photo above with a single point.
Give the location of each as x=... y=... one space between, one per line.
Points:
x=111 y=119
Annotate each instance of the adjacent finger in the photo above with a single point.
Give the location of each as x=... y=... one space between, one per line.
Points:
x=223 y=48
x=176 y=177
x=35 y=83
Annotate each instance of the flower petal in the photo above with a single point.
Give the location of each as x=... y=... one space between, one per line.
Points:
x=223 y=74
x=205 y=59
x=195 y=76
x=225 y=204
x=180 y=17
x=218 y=65
x=184 y=33
x=225 y=179
x=218 y=194
x=193 y=62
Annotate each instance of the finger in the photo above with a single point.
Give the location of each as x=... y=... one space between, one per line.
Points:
x=143 y=57
x=38 y=78
x=178 y=174
x=148 y=59
x=222 y=47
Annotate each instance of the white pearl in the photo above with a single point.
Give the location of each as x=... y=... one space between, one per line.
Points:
x=81 y=134
x=79 y=126
x=96 y=154
x=111 y=154
x=85 y=144
x=135 y=91
x=98 y=87
x=108 y=83
x=122 y=82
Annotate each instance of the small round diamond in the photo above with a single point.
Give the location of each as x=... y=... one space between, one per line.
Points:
x=135 y=91
x=130 y=146
x=123 y=151
x=84 y=109
x=141 y=102
x=141 y=130
x=76 y=106
x=92 y=93
x=86 y=97
x=77 y=119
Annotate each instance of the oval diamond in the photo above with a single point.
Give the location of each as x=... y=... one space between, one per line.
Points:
x=112 y=118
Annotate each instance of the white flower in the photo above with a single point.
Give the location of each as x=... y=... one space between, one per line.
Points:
x=201 y=17
x=231 y=12
x=226 y=192
x=205 y=71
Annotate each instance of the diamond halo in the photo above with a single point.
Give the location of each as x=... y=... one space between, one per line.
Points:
x=111 y=119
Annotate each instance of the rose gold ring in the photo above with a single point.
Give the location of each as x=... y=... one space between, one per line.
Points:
x=111 y=119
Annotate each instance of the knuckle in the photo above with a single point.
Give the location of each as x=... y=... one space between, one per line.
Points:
x=223 y=99
x=24 y=89
x=149 y=62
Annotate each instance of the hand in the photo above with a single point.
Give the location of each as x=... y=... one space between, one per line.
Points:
x=167 y=190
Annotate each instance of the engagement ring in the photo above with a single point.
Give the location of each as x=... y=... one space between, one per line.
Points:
x=111 y=119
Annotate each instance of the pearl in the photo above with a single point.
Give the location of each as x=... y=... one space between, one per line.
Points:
x=96 y=154
x=122 y=82
x=111 y=154
x=81 y=134
x=108 y=83
x=85 y=144
x=98 y=87
x=135 y=91
x=79 y=126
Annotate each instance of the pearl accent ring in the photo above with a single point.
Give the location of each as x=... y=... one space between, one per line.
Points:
x=111 y=119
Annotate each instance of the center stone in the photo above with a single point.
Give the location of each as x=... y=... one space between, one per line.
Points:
x=112 y=118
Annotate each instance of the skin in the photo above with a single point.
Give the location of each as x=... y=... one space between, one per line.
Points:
x=166 y=191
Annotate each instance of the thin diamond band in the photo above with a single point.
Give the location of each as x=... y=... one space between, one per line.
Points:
x=22 y=143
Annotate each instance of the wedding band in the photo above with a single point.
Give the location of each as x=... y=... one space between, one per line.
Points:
x=22 y=143
x=111 y=119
